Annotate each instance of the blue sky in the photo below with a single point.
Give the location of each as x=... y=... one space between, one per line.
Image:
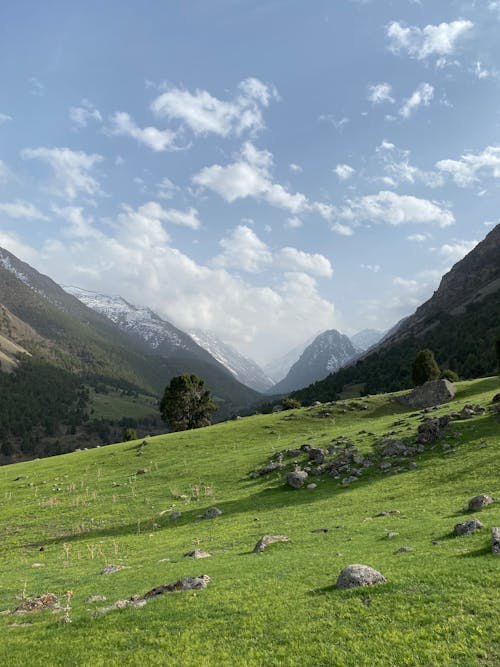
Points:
x=266 y=170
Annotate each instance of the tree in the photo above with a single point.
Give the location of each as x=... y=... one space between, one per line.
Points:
x=424 y=368
x=497 y=347
x=290 y=403
x=129 y=434
x=186 y=404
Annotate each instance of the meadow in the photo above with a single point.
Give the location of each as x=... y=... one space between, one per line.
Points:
x=64 y=518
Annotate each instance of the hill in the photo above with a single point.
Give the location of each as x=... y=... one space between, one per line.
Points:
x=65 y=353
x=460 y=323
x=64 y=519
x=327 y=353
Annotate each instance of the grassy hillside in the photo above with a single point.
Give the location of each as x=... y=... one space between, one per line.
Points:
x=88 y=509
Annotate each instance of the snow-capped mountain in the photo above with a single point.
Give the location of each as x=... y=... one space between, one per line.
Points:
x=367 y=338
x=326 y=354
x=278 y=368
x=245 y=370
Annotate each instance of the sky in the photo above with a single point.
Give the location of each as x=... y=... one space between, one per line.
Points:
x=262 y=169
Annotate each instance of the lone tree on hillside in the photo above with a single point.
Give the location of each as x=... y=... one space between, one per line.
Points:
x=186 y=404
x=424 y=368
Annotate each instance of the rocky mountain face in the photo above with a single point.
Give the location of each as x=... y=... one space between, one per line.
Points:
x=459 y=323
x=366 y=338
x=326 y=354
x=245 y=370
x=278 y=368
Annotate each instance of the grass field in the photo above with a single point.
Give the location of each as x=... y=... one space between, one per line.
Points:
x=115 y=405
x=440 y=607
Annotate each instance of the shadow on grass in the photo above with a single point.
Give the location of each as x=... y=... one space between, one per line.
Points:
x=484 y=551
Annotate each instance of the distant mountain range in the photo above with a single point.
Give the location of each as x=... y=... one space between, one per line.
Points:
x=367 y=338
x=459 y=323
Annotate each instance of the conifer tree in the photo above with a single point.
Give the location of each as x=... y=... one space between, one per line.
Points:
x=186 y=404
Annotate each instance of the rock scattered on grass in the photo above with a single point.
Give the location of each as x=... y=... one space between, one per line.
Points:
x=320 y=530
x=387 y=513
x=174 y=516
x=467 y=527
x=95 y=598
x=109 y=569
x=495 y=541
x=390 y=534
x=121 y=604
x=39 y=603
x=266 y=540
x=212 y=513
x=197 y=553
x=312 y=486
x=404 y=550
x=478 y=502
x=353 y=576
x=296 y=478
x=186 y=584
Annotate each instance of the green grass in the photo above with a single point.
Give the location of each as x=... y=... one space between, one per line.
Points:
x=115 y=405
x=440 y=606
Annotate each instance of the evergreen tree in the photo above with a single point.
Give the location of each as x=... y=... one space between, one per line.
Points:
x=186 y=404
x=424 y=368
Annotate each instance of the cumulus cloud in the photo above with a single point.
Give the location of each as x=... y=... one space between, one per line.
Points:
x=21 y=210
x=433 y=40
x=344 y=172
x=398 y=169
x=84 y=114
x=166 y=189
x=203 y=113
x=295 y=168
x=293 y=222
x=417 y=238
x=250 y=176
x=379 y=93
x=243 y=250
x=468 y=170
x=454 y=251
x=421 y=96
x=71 y=170
x=311 y=263
x=78 y=225
x=158 y=140
x=374 y=268
x=393 y=209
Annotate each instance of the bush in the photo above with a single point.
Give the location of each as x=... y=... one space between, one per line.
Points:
x=290 y=403
x=450 y=375
x=424 y=368
x=129 y=434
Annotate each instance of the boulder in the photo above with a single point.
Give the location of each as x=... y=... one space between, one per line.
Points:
x=271 y=467
x=211 y=513
x=186 y=584
x=317 y=455
x=359 y=575
x=434 y=392
x=478 y=502
x=467 y=527
x=266 y=540
x=432 y=429
x=495 y=541
x=296 y=478
x=197 y=553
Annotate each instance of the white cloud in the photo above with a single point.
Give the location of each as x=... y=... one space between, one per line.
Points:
x=480 y=71
x=295 y=168
x=297 y=260
x=293 y=222
x=456 y=250
x=393 y=209
x=338 y=123
x=158 y=140
x=155 y=211
x=399 y=170
x=71 y=170
x=380 y=92
x=433 y=40
x=36 y=87
x=166 y=189
x=344 y=172
x=417 y=238
x=21 y=210
x=249 y=176
x=472 y=166
x=78 y=225
x=243 y=250
x=203 y=113
x=81 y=116
x=421 y=96
x=4 y=118
x=374 y=268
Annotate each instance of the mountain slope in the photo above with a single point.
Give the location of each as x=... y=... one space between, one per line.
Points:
x=245 y=370
x=279 y=367
x=366 y=338
x=327 y=353
x=460 y=323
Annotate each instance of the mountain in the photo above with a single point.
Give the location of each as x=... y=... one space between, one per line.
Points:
x=459 y=323
x=327 y=353
x=279 y=367
x=59 y=356
x=366 y=338
x=245 y=370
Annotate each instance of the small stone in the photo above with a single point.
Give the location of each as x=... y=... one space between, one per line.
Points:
x=186 y=584
x=495 y=541
x=95 y=598
x=404 y=550
x=320 y=530
x=143 y=471
x=478 y=502
x=109 y=569
x=359 y=575
x=312 y=486
x=467 y=527
x=174 y=516
x=197 y=553
x=212 y=513
x=266 y=540
x=412 y=465
x=390 y=534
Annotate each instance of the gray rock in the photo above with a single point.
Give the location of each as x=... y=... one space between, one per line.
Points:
x=266 y=540
x=495 y=541
x=432 y=429
x=197 y=553
x=347 y=480
x=429 y=394
x=212 y=513
x=404 y=550
x=312 y=486
x=478 y=502
x=95 y=598
x=317 y=455
x=390 y=534
x=186 y=584
x=467 y=527
x=174 y=516
x=271 y=467
x=359 y=575
x=109 y=569
x=296 y=478
x=412 y=465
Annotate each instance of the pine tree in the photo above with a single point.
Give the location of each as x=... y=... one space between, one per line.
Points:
x=424 y=368
x=186 y=404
